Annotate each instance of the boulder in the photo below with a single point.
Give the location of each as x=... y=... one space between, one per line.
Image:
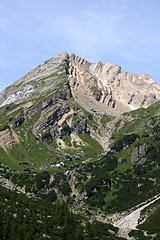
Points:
x=139 y=153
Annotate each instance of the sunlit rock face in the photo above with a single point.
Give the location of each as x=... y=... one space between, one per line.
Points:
x=117 y=90
x=104 y=88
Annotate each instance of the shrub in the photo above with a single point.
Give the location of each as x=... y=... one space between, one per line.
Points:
x=4 y=127
x=124 y=142
x=51 y=196
x=65 y=188
x=109 y=162
x=47 y=138
x=156 y=129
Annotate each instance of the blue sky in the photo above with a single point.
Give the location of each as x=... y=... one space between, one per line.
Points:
x=123 y=32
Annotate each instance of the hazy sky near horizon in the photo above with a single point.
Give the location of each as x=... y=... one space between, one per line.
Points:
x=123 y=32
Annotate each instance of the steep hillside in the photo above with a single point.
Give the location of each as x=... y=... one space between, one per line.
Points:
x=67 y=132
x=106 y=88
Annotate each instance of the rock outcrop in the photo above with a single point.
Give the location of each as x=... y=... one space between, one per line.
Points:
x=44 y=78
x=109 y=87
x=101 y=88
x=8 y=138
x=139 y=153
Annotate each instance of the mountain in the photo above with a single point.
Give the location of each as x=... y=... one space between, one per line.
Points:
x=108 y=88
x=88 y=134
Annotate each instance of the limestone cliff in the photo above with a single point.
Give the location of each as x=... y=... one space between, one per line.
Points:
x=104 y=88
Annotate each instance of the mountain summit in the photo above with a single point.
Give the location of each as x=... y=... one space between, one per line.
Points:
x=104 y=88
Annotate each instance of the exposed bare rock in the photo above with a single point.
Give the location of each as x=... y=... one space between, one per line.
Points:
x=99 y=87
x=41 y=79
x=8 y=138
x=139 y=154
x=109 y=87
x=130 y=221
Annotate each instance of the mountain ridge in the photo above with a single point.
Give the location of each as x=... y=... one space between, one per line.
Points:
x=107 y=85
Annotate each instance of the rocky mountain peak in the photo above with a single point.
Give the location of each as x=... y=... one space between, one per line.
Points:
x=105 y=88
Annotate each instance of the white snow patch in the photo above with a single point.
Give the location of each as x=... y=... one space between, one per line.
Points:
x=104 y=82
x=19 y=95
x=149 y=80
x=131 y=107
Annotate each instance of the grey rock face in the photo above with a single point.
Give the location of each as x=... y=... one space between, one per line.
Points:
x=39 y=80
x=65 y=130
x=47 y=139
x=105 y=88
x=116 y=91
x=138 y=155
x=80 y=126
x=19 y=122
x=20 y=95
